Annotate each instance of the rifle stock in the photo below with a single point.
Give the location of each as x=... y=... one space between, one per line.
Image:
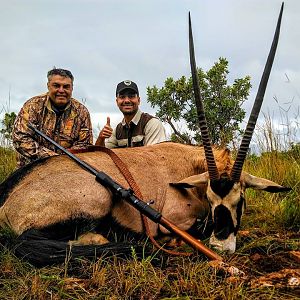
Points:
x=129 y=197
x=194 y=243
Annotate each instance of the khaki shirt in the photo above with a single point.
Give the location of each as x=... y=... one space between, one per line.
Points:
x=152 y=132
x=71 y=129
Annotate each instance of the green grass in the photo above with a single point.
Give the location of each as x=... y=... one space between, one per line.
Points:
x=271 y=220
x=7 y=162
x=280 y=210
x=179 y=278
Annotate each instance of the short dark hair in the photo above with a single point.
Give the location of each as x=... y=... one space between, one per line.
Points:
x=61 y=72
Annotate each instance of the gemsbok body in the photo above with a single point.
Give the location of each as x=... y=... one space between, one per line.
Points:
x=186 y=183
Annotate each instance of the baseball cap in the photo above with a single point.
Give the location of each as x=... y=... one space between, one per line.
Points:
x=126 y=84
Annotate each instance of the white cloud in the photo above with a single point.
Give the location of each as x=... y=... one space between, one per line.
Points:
x=104 y=42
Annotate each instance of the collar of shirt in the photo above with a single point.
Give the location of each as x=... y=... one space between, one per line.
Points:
x=49 y=105
x=135 y=119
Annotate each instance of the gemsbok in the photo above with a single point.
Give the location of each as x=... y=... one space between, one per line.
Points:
x=186 y=183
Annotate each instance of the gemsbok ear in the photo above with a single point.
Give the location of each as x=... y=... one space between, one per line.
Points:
x=258 y=183
x=192 y=181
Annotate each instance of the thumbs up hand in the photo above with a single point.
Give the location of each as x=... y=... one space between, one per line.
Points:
x=105 y=133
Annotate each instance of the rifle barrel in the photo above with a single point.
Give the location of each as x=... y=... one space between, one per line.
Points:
x=58 y=146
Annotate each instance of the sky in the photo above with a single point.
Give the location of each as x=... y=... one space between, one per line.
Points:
x=103 y=42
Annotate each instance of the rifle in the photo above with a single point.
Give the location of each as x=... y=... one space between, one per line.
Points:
x=128 y=196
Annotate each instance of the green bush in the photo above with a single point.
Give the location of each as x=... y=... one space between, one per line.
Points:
x=7 y=162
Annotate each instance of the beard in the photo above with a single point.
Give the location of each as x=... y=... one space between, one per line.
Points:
x=129 y=113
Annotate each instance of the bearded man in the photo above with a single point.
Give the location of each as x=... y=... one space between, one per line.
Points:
x=137 y=128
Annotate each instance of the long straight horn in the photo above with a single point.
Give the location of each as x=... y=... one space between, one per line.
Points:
x=211 y=164
x=241 y=155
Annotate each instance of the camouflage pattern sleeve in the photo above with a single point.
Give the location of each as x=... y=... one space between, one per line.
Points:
x=24 y=139
x=85 y=133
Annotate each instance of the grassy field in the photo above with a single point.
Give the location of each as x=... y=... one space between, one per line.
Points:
x=266 y=245
x=7 y=162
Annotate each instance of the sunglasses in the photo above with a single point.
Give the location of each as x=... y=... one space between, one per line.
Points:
x=130 y=96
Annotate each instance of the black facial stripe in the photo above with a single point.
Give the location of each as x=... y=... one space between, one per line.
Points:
x=239 y=211
x=222 y=186
x=223 y=222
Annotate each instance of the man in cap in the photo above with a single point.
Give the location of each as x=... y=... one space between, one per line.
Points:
x=55 y=113
x=137 y=128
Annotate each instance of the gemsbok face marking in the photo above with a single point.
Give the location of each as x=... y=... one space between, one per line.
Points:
x=225 y=191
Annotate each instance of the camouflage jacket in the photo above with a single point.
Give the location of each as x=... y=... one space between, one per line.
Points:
x=71 y=129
